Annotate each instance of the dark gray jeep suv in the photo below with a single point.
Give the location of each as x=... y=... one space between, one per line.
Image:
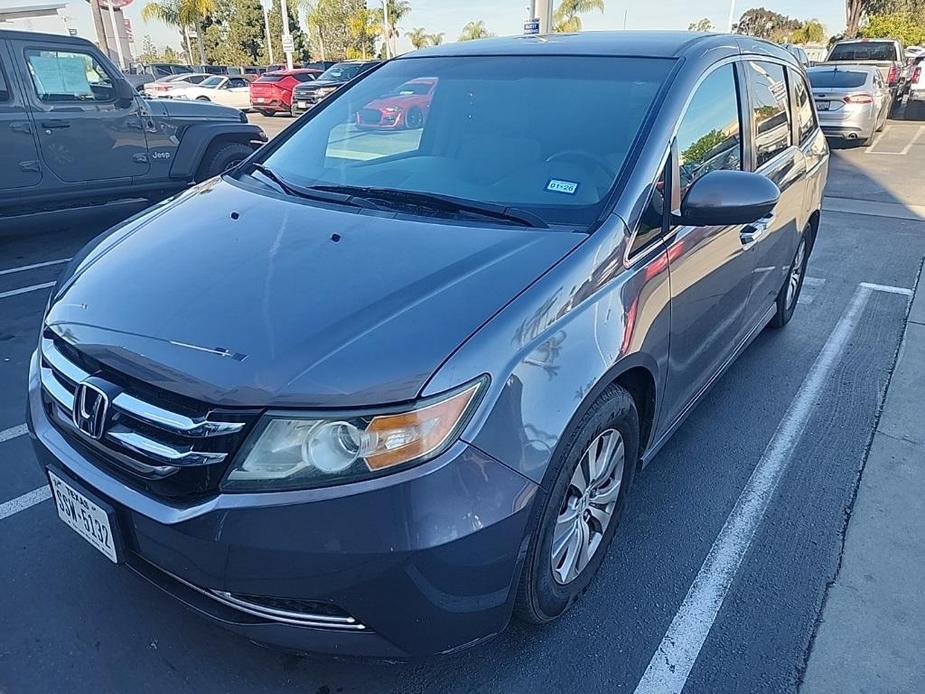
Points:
x=376 y=392
x=73 y=130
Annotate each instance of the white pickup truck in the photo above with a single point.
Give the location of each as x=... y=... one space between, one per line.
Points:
x=885 y=54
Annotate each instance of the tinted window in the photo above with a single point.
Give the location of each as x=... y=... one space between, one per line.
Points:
x=343 y=72
x=864 y=50
x=68 y=76
x=304 y=76
x=650 y=222
x=770 y=118
x=237 y=83
x=550 y=134
x=806 y=117
x=837 y=79
x=709 y=137
x=270 y=78
x=4 y=89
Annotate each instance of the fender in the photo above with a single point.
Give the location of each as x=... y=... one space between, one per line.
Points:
x=197 y=138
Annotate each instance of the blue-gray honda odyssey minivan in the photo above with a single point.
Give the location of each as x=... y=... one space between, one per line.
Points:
x=378 y=389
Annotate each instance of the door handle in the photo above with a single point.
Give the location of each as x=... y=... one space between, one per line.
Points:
x=51 y=124
x=754 y=231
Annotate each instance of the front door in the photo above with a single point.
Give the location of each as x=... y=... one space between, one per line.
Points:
x=85 y=133
x=710 y=268
x=19 y=155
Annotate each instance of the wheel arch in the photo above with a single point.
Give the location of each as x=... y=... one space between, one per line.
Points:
x=200 y=139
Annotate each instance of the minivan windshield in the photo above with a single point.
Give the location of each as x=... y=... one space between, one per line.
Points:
x=547 y=135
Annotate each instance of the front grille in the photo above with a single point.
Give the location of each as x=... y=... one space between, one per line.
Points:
x=178 y=448
x=370 y=115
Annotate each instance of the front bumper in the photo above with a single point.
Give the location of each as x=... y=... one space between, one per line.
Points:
x=425 y=560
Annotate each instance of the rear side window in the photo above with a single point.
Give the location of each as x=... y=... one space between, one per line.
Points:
x=237 y=83
x=806 y=117
x=837 y=79
x=4 y=85
x=63 y=76
x=270 y=78
x=865 y=50
x=709 y=137
x=770 y=111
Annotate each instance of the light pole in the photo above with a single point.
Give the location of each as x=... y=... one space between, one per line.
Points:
x=386 y=29
x=732 y=14
x=266 y=27
x=287 y=37
x=543 y=9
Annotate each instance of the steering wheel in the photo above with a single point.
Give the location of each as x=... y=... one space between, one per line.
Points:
x=579 y=156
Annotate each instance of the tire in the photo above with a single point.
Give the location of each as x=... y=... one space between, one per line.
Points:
x=790 y=293
x=203 y=98
x=548 y=584
x=222 y=157
x=265 y=113
x=414 y=119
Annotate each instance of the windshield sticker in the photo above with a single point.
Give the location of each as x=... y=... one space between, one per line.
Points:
x=556 y=185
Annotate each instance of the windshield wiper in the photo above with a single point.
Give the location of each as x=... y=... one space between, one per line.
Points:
x=309 y=193
x=438 y=201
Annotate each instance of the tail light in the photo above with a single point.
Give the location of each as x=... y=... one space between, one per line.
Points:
x=917 y=74
x=858 y=99
x=893 y=75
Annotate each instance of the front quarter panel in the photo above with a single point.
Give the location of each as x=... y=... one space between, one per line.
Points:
x=553 y=349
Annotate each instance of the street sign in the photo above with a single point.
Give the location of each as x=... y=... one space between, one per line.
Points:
x=532 y=26
x=114 y=4
x=129 y=32
x=288 y=44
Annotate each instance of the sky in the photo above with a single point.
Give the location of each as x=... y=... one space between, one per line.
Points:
x=505 y=17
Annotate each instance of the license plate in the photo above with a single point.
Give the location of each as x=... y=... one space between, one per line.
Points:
x=84 y=517
x=822 y=105
x=303 y=104
x=259 y=99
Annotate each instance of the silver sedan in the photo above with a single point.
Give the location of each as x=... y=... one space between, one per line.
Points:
x=853 y=102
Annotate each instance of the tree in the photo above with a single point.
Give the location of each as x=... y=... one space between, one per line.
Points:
x=856 y=10
x=701 y=150
x=398 y=9
x=168 y=12
x=811 y=31
x=853 y=11
x=475 y=30
x=766 y=24
x=151 y=54
x=234 y=33
x=418 y=37
x=436 y=39
x=897 y=25
x=339 y=29
x=566 y=17
x=194 y=13
x=701 y=25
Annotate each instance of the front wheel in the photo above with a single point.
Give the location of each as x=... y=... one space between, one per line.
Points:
x=414 y=119
x=223 y=158
x=790 y=293
x=579 y=516
x=203 y=98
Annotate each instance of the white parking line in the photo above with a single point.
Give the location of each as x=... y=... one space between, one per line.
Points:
x=671 y=664
x=877 y=139
x=26 y=290
x=34 y=266
x=13 y=432
x=27 y=500
x=904 y=151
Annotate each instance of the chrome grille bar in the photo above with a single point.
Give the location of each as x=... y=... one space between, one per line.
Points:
x=160 y=451
x=62 y=364
x=61 y=395
x=171 y=421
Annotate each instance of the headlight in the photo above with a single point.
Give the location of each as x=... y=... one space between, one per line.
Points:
x=287 y=451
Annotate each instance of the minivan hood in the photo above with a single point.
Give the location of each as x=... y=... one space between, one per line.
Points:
x=237 y=298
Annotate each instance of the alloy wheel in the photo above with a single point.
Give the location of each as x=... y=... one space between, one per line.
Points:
x=796 y=274
x=589 y=505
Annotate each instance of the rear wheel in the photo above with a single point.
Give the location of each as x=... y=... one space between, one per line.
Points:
x=790 y=293
x=203 y=98
x=579 y=516
x=264 y=112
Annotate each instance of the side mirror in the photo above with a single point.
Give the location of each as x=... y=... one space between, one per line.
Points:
x=728 y=197
x=125 y=92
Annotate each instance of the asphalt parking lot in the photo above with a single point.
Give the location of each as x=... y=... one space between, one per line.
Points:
x=71 y=622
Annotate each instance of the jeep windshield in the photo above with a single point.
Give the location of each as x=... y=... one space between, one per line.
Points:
x=548 y=136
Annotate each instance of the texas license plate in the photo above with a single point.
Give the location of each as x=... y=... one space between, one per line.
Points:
x=84 y=516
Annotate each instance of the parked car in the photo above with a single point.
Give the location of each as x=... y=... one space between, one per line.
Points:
x=917 y=79
x=272 y=92
x=886 y=55
x=853 y=103
x=799 y=53
x=140 y=74
x=309 y=94
x=224 y=90
x=374 y=395
x=405 y=107
x=165 y=85
x=74 y=131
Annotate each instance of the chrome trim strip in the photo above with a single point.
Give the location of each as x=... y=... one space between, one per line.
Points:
x=171 y=421
x=328 y=620
x=62 y=364
x=161 y=451
x=61 y=395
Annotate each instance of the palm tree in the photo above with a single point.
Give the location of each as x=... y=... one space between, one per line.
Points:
x=168 y=12
x=194 y=12
x=397 y=10
x=418 y=37
x=474 y=30
x=436 y=39
x=566 y=19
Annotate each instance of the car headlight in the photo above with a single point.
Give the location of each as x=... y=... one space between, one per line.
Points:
x=289 y=451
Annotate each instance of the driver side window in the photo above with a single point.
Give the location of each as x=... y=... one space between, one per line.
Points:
x=65 y=76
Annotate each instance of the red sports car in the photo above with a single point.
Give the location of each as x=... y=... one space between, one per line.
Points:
x=272 y=92
x=406 y=107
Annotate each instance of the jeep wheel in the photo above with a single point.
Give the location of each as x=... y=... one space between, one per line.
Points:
x=222 y=158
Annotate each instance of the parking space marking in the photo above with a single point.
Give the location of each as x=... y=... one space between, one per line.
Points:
x=887 y=288
x=13 y=432
x=26 y=290
x=904 y=151
x=27 y=500
x=671 y=664
x=34 y=266
x=877 y=139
